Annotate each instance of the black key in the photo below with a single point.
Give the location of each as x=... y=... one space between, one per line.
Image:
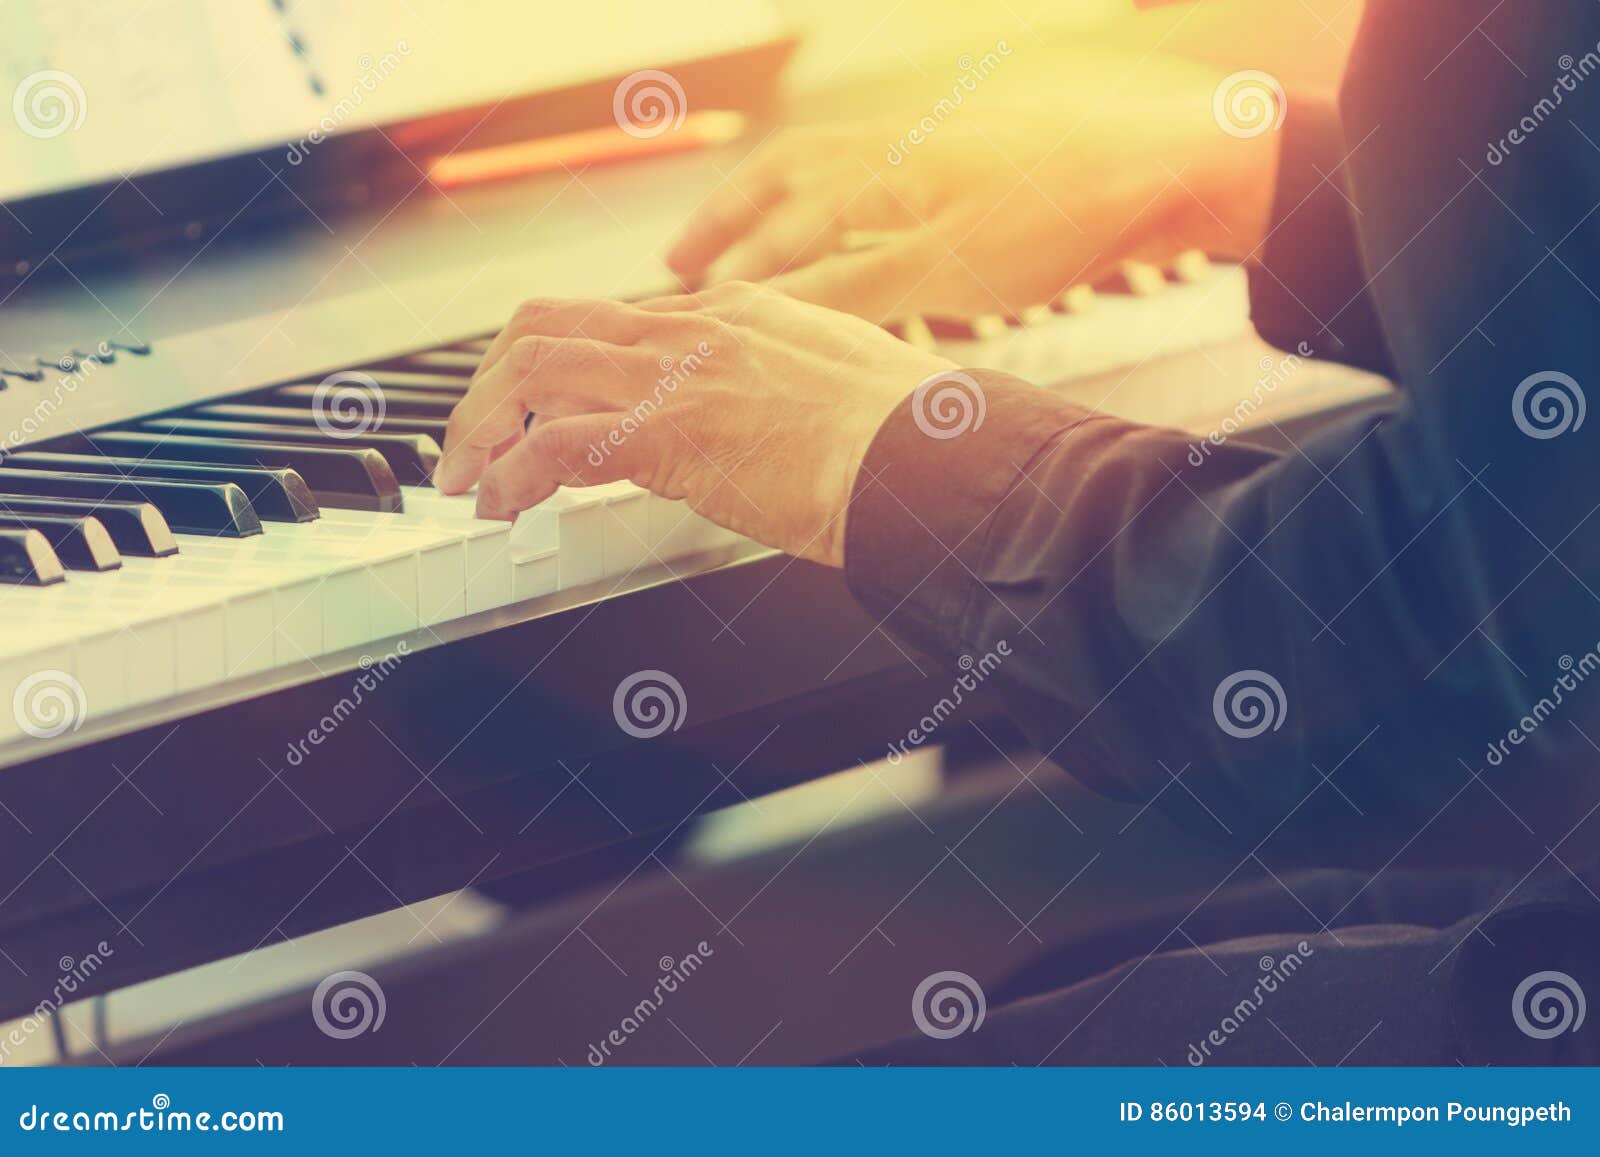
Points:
x=277 y=495
x=81 y=543
x=304 y=416
x=398 y=401
x=405 y=380
x=27 y=559
x=412 y=457
x=351 y=479
x=190 y=507
x=137 y=528
x=440 y=361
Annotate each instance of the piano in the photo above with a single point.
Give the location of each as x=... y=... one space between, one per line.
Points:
x=258 y=678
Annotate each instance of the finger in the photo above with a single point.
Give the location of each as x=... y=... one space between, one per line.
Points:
x=583 y=450
x=882 y=284
x=497 y=452
x=499 y=400
x=617 y=322
x=796 y=232
x=726 y=215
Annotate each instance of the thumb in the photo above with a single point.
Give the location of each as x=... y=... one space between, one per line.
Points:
x=583 y=450
x=913 y=274
x=881 y=284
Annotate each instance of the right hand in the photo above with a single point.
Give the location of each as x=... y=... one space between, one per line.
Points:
x=995 y=209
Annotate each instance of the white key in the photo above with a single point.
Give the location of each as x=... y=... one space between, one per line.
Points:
x=571 y=520
x=626 y=544
x=679 y=532
x=488 y=543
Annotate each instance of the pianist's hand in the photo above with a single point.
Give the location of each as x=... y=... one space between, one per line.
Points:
x=756 y=408
x=995 y=209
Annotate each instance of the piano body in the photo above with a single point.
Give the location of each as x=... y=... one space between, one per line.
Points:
x=262 y=679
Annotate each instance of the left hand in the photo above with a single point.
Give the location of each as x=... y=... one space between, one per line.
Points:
x=754 y=407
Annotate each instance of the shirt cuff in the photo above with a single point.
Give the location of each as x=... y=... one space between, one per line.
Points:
x=1308 y=285
x=928 y=492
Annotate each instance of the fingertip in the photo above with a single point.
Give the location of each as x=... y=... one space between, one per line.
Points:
x=458 y=470
x=501 y=502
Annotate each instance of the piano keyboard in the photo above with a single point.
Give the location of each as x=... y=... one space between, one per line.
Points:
x=177 y=553
x=246 y=534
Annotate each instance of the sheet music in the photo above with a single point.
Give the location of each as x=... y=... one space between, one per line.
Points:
x=99 y=90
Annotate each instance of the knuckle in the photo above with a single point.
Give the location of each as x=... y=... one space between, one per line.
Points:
x=526 y=354
x=533 y=313
x=543 y=442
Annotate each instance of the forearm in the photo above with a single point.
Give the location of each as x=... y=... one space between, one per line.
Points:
x=1130 y=584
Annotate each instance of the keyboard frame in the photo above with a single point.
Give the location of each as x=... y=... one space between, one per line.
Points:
x=246 y=850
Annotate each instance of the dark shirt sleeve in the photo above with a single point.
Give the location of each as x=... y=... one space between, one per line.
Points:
x=1308 y=288
x=1317 y=653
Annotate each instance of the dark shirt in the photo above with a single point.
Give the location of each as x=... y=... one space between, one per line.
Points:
x=1417 y=586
